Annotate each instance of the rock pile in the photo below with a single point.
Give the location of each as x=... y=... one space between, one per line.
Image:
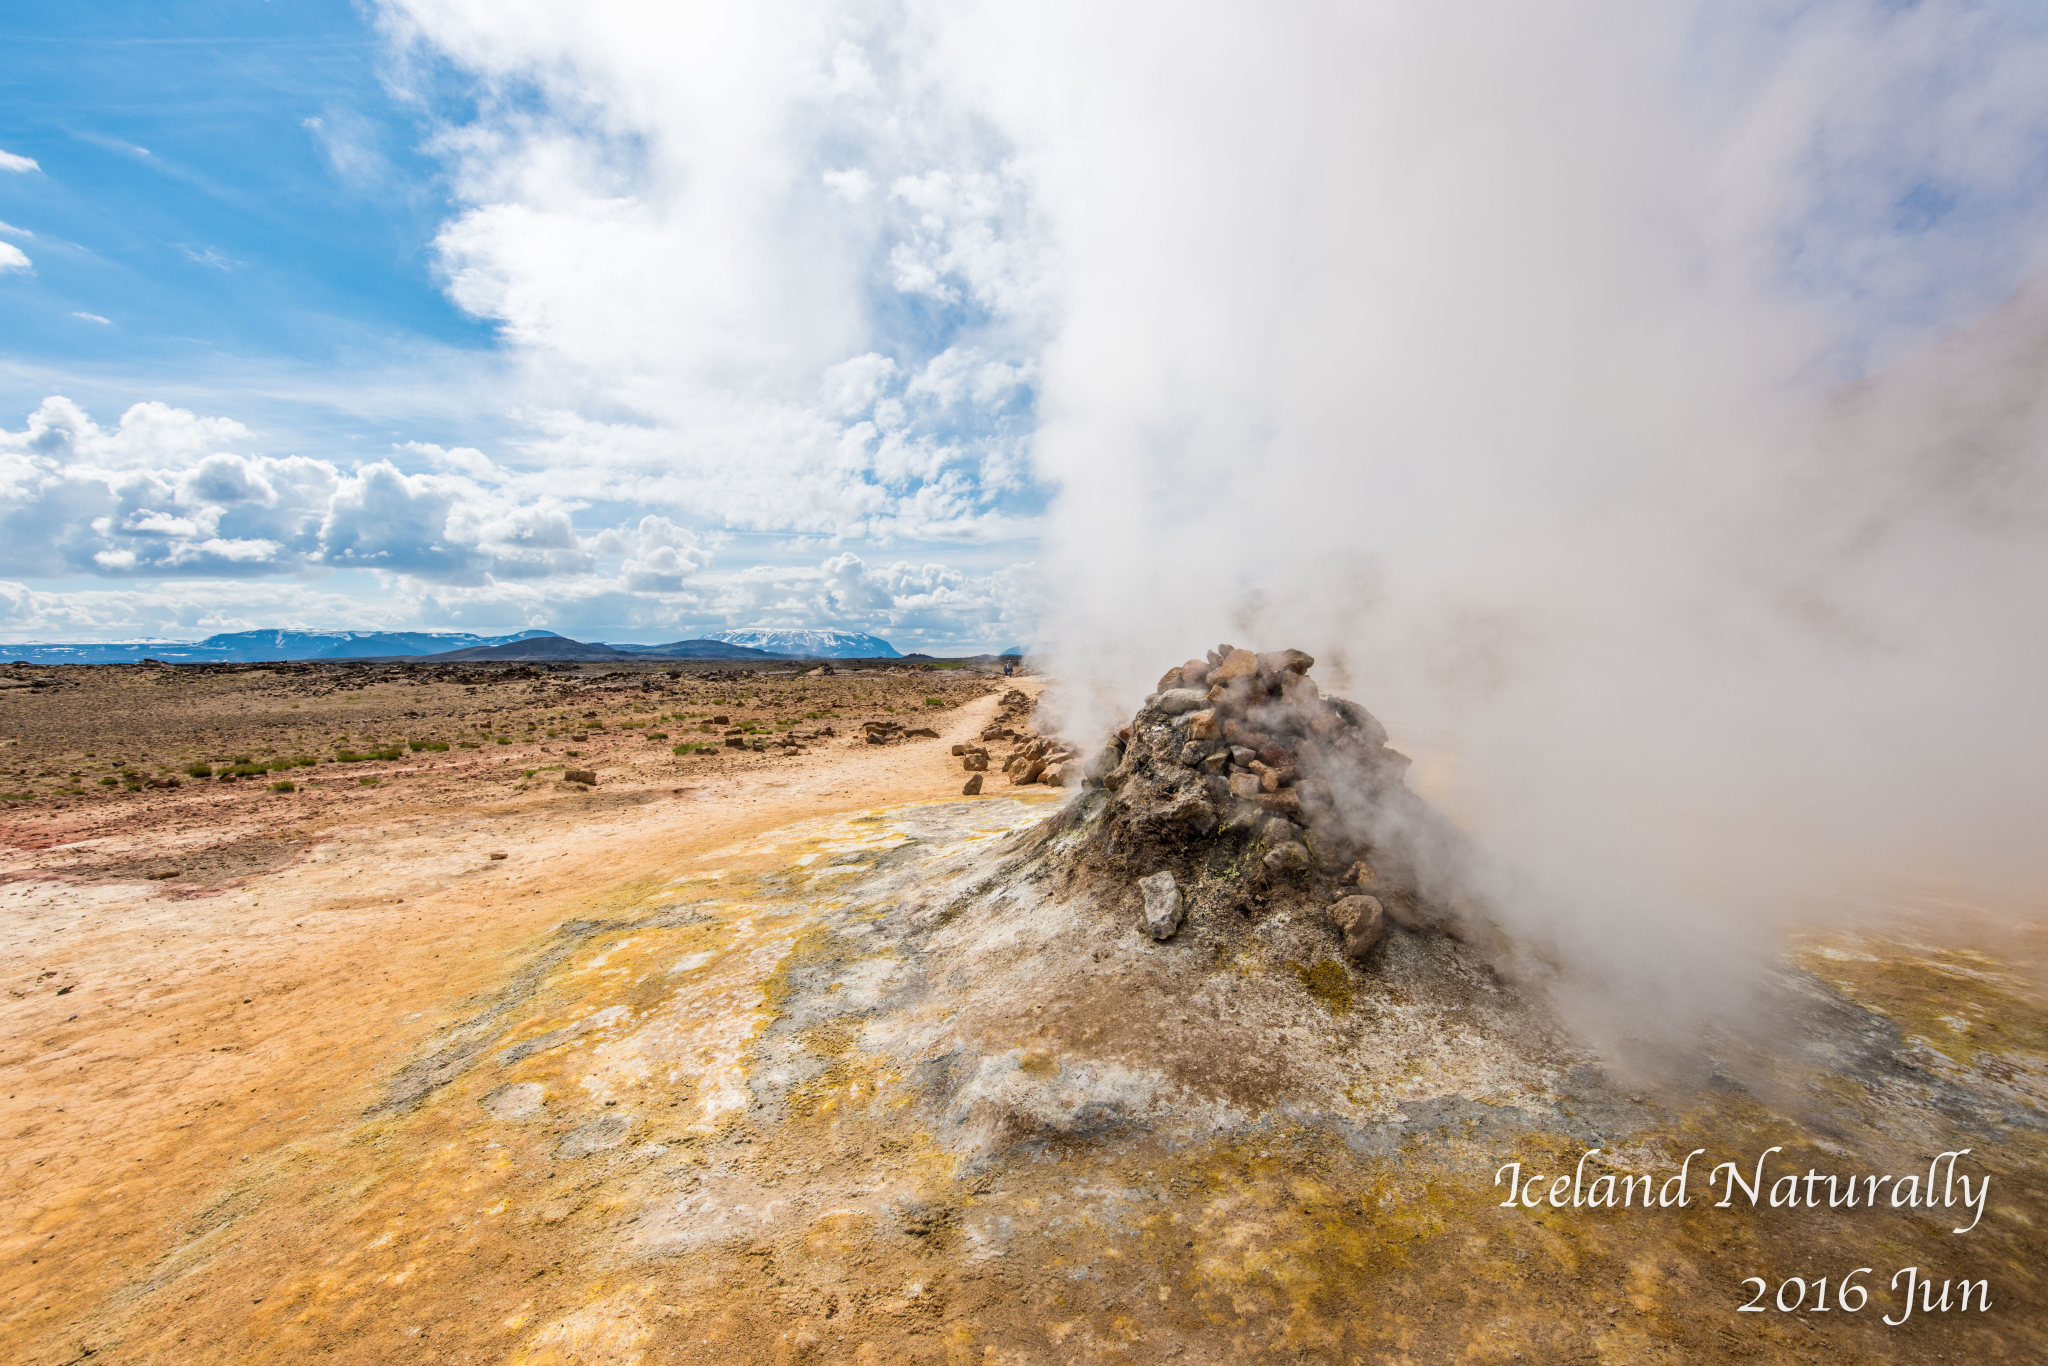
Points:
x=1033 y=758
x=894 y=732
x=1240 y=790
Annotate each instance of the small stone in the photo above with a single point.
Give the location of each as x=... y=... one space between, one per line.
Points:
x=496 y=857
x=721 y=720
x=1279 y=662
x=1028 y=773
x=1363 y=921
x=1195 y=673
x=1290 y=857
x=1105 y=761
x=740 y=742
x=959 y=750
x=1162 y=904
x=1056 y=775
x=1407 y=914
x=1204 y=724
x=921 y=733
x=1244 y=785
x=976 y=763
x=579 y=775
x=1175 y=701
x=1216 y=762
x=972 y=788
x=1279 y=830
x=1284 y=801
x=1243 y=757
x=1191 y=754
x=1358 y=874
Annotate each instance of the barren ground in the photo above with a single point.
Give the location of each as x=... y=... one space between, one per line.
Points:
x=763 y=1058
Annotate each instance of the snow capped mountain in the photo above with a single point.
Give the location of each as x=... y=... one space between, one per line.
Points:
x=809 y=644
x=256 y=646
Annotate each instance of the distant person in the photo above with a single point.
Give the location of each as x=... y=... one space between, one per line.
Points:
x=1009 y=667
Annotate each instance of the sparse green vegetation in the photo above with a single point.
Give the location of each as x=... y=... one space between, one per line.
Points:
x=349 y=756
x=432 y=746
x=199 y=770
x=284 y=787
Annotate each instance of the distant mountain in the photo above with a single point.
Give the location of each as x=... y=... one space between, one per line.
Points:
x=258 y=646
x=700 y=649
x=561 y=647
x=810 y=644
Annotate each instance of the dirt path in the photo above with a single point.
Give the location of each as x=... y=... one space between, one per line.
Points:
x=158 y=1043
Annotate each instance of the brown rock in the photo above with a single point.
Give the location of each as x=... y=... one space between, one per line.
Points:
x=1204 y=725
x=959 y=750
x=1237 y=664
x=975 y=763
x=1363 y=922
x=1285 y=801
x=1272 y=666
x=1194 y=672
x=921 y=733
x=579 y=775
x=721 y=720
x=972 y=788
x=1028 y=773
x=1359 y=874
x=1291 y=857
x=1105 y=762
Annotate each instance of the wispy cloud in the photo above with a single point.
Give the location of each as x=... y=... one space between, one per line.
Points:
x=9 y=161
x=212 y=257
x=13 y=258
x=94 y=318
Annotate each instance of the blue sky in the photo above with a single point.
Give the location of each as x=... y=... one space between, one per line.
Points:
x=232 y=217
x=629 y=319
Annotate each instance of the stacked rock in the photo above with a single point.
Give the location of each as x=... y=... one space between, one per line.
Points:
x=1237 y=760
x=1032 y=758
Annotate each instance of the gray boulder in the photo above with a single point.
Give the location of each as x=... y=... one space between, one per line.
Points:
x=1175 y=701
x=1162 y=904
x=1363 y=922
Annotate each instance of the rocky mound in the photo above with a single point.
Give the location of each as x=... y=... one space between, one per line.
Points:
x=1239 y=789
